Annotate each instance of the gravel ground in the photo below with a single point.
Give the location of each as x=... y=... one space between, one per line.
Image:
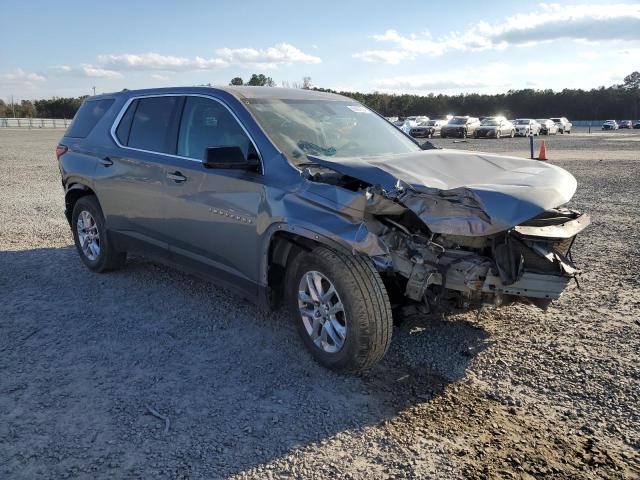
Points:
x=515 y=393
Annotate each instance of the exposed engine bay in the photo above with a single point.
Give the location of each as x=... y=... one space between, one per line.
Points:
x=466 y=246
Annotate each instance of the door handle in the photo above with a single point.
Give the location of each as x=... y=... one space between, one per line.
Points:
x=106 y=161
x=176 y=177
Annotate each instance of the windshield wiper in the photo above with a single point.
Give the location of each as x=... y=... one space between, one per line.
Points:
x=310 y=147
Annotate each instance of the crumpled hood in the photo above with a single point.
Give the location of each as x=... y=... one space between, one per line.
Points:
x=464 y=193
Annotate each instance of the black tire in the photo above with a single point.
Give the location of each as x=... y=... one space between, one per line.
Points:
x=109 y=258
x=498 y=135
x=464 y=134
x=513 y=133
x=367 y=311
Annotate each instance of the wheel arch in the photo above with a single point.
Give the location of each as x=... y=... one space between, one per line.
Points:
x=74 y=192
x=283 y=242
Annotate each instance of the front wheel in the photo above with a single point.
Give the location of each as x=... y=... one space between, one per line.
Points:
x=341 y=308
x=513 y=133
x=91 y=239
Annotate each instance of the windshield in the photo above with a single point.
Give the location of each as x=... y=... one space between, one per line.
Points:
x=490 y=122
x=431 y=123
x=522 y=122
x=328 y=128
x=457 y=121
x=557 y=120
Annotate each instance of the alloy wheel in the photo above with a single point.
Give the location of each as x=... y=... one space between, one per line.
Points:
x=88 y=235
x=322 y=312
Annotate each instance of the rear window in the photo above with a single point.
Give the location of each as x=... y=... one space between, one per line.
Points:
x=152 y=124
x=88 y=116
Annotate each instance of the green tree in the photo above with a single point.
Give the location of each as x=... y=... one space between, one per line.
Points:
x=3 y=109
x=236 y=81
x=260 y=80
x=27 y=109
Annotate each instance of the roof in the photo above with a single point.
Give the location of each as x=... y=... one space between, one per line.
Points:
x=242 y=92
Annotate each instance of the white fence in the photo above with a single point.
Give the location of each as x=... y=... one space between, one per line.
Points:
x=34 y=122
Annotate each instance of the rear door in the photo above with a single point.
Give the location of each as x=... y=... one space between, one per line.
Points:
x=131 y=183
x=211 y=215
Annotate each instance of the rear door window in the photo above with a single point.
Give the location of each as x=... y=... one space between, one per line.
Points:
x=88 y=116
x=153 y=124
x=124 y=127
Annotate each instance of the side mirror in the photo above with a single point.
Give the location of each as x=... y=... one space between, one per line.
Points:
x=227 y=157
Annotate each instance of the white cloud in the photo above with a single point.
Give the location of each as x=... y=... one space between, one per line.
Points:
x=392 y=57
x=589 y=55
x=19 y=75
x=85 y=70
x=272 y=57
x=492 y=76
x=281 y=54
x=552 y=22
x=91 y=71
x=19 y=80
x=157 y=76
x=156 y=61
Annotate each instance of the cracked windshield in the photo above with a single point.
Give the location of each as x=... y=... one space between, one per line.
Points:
x=326 y=128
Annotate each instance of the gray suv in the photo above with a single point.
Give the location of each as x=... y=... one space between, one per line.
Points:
x=313 y=201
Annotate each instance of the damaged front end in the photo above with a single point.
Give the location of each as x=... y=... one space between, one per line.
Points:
x=463 y=246
x=530 y=263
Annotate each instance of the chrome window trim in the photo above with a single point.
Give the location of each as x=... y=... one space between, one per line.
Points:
x=124 y=108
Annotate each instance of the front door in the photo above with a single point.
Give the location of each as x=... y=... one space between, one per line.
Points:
x=211 y=214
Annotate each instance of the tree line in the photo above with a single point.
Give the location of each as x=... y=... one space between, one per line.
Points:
x=617 y=102
x=55 y=107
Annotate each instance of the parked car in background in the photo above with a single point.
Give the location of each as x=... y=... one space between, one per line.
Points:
x=427 y=129
x=495 y=127
x=459 y=126
x=526 y=127
x=564 y=125
x=636 y=124
x=610 y=125
x=411 y=122
x=232 y=184
x=625 y=124
x=547 y=126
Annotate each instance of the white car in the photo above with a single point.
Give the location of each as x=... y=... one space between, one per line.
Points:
x=412 y=122
x=526 y=127
x=610 y=125
x=563 y=124
x=547 y=127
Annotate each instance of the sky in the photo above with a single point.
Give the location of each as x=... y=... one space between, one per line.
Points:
x=65 y=48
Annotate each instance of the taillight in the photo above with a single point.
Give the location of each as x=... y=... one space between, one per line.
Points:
x=61 y=150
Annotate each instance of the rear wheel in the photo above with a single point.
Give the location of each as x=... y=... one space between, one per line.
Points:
x=91 y=239
x=341 y=308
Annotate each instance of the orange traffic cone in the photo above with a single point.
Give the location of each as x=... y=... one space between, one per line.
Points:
x=543 y=152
